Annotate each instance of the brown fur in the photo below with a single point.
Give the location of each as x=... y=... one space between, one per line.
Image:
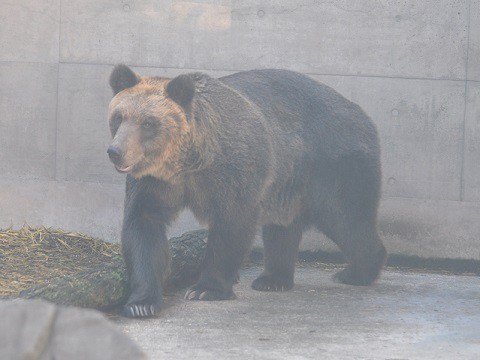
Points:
x=148 y=99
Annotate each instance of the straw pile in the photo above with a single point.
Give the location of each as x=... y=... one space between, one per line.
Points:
x=31 y=256
x=74 y=269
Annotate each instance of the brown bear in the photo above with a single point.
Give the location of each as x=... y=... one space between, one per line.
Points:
x=270 y=148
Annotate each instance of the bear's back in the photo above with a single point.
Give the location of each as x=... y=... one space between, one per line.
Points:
x=295 y=104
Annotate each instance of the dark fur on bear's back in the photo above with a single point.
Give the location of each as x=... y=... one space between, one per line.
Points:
x=270 y=148
x=315 y=129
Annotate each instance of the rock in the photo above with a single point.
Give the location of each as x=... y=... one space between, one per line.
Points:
x=25 y=328
x=35 y=329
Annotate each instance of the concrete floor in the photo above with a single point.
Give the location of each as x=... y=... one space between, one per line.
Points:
x=406 y=315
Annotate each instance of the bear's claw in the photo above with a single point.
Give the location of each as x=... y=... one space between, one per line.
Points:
x=141 y=311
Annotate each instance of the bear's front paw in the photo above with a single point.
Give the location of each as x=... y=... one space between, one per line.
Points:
x=200 y=292
x=272 y=283
x=141 y=310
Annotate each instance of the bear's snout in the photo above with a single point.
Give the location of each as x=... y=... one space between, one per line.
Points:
x=115 y=154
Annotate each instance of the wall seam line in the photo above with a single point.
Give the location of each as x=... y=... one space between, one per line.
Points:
x=57 y=112
x=463 y=140
x=238 y=70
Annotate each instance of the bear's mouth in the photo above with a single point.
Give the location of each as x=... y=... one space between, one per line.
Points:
x=124 y=169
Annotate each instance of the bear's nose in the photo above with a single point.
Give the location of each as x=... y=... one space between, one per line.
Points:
x=115 y=154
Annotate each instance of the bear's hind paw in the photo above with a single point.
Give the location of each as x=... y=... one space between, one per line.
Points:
x=351 y=276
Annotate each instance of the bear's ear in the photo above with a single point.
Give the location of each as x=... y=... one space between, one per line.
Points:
x=181 y=90
x=122 y=77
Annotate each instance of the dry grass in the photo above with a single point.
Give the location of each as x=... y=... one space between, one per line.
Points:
x=32 y=256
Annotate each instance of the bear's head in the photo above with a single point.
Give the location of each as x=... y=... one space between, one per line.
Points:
x=150 y=122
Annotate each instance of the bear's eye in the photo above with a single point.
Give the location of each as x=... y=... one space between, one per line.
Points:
x=149 y=124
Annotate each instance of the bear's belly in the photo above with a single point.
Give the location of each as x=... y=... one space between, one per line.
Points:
x=280 y=207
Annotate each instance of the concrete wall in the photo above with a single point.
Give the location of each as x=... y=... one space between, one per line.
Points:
x=414 y=66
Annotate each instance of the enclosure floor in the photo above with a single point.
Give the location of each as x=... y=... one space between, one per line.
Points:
x=405 y=315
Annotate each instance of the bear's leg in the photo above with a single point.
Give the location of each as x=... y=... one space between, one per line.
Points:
x=280 y=248
x=227 y=247
x=346 y=201
x=146 y=253
x=145 y=248
x=364 y=251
